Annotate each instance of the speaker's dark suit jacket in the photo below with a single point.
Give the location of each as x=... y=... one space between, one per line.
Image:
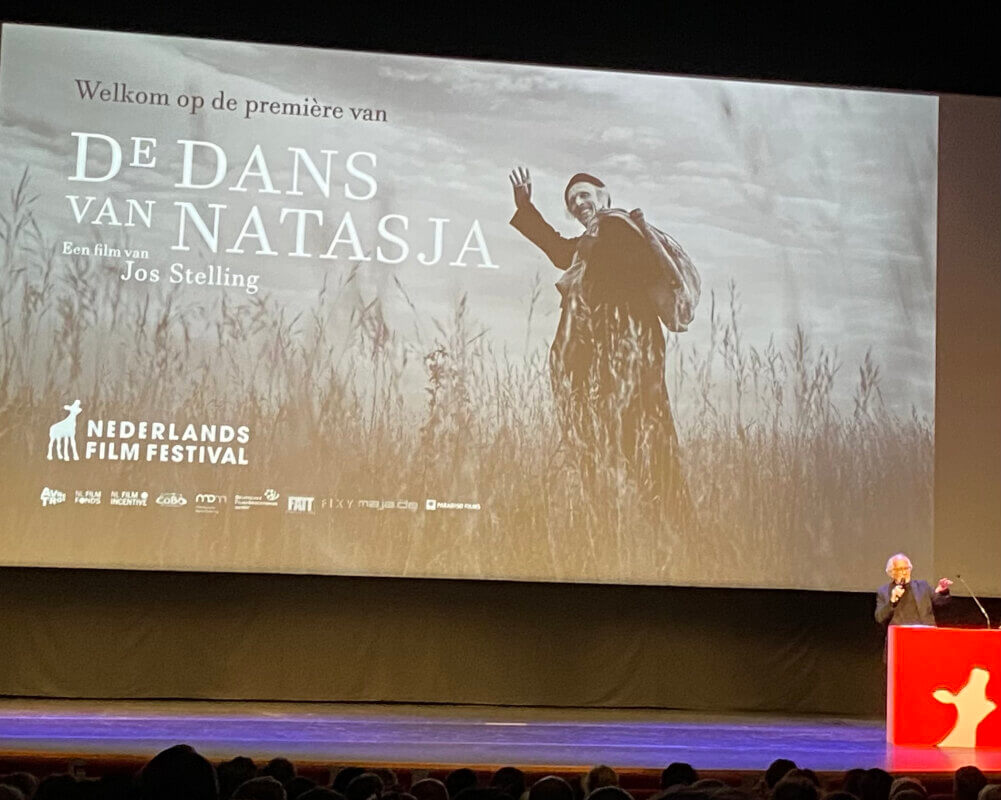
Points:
x=922 y=612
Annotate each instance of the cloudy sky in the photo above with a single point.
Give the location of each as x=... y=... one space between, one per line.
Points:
x=820 y=204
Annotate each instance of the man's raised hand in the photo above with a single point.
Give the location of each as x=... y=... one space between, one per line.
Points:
x=521 y=182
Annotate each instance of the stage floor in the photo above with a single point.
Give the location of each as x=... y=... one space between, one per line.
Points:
x=445 y=736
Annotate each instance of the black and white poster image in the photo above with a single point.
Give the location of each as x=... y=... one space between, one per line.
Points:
x=387 y=315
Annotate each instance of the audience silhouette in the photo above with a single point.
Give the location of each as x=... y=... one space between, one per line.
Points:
x=181 y=773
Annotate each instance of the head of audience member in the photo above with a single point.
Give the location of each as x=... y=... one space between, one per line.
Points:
x=116 y=786
x=730 y=793
x=550 y=787
x=841 y=794
x=176 y=772
x=509 y=780
x=677 y=773
x=992 y=791
x=261 y=788
x=801 y=772
x=967 y=783
x=875 y=784
x=8 y=792
x=680 y=791
x=795 y=788
x=459 y=779
x=234 y=772
x=482 y=793
x=89 y=789
x=364 y=786
x=708 y=785
x=609 y=793
x=852 y=781
x=429 y=789
x=55 y=787
x=598 y=777
x=344 y=776
x=777 y=770
x=24 y=781
x=906 y=784
x=281 y=769
x=388 y=777
x=298 y=786
x=321 y=793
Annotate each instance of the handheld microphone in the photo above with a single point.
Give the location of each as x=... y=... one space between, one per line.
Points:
x=975 y=600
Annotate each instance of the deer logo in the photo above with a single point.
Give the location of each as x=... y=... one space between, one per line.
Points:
x=972 y=707
x=62 y=434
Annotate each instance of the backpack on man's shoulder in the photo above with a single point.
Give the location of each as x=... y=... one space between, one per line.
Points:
x=678 y=290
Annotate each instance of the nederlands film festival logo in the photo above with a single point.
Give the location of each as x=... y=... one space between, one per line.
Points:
x=149 y=440
x=62 y=434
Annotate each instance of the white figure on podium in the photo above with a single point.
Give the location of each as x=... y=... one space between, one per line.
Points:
x=972 y=707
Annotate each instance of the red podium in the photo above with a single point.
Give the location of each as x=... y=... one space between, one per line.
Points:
x=943 y=686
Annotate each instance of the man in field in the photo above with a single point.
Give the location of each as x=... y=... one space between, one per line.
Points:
x=622 y=276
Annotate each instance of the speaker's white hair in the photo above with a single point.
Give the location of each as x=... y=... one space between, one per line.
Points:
x=897 y=557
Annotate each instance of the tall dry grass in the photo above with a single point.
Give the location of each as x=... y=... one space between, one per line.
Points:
x=788 y=488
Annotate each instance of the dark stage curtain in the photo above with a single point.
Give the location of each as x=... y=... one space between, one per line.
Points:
x=117 y=634
x=69 y=633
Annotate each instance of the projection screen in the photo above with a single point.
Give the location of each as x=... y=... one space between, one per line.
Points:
x=277 y=309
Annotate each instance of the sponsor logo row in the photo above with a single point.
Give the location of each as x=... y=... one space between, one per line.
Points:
x=211 y=503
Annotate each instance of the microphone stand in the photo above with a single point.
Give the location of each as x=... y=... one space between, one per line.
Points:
x=975 y=600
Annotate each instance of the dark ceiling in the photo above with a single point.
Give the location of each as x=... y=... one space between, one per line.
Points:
x=901 y=48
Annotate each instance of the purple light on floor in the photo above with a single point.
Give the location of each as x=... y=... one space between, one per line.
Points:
x=522 y=736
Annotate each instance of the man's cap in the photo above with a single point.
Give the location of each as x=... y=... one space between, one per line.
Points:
x=580 y=177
